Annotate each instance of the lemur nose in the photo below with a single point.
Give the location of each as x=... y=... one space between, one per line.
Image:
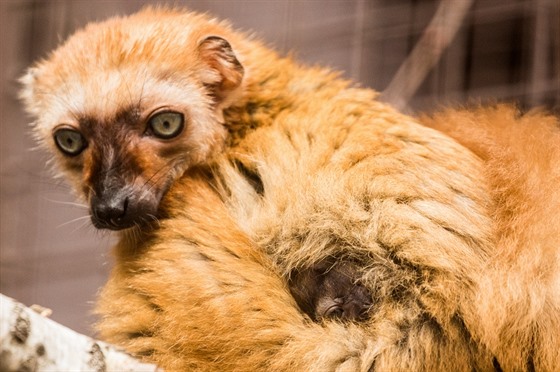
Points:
x=110 y=211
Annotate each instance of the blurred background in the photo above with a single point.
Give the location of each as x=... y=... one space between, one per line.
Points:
x=504 y=50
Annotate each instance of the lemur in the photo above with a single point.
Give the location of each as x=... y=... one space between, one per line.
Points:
x=238 y=180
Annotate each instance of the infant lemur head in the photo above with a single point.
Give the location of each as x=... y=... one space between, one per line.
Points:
x=129 y=105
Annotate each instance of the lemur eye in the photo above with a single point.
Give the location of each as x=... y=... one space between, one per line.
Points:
x=70 y=141
x=335 y=311
x=166 y=124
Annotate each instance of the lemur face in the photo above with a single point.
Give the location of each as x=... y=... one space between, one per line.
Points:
x=126 y=161
x=126 y=109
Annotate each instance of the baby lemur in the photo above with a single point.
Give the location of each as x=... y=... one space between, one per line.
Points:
x=331 y=290
x=238 y=180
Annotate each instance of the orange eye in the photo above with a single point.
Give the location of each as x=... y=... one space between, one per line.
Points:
x=166 y=125
x=70 y=141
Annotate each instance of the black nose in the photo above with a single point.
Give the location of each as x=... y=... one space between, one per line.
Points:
x=111 y=211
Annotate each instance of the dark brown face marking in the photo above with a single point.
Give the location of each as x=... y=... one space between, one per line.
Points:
x=124 y=178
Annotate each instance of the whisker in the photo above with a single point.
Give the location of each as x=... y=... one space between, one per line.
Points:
x=171 y=165
x=84 y=225
x=91 y=190
x=127 y=86
x=157 y=173
x=67 y=102
x=154 y=219
x=82 y=218
x=141 y=97
x=73 y=204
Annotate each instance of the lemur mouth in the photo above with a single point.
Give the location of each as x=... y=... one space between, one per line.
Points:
x=121 y=209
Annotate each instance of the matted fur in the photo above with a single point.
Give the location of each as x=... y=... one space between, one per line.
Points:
x=461 y=257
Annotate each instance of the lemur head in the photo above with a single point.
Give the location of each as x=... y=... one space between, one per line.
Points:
x=129 y=104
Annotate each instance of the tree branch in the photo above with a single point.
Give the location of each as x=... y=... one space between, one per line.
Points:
x=427 y=52
x=31 y=342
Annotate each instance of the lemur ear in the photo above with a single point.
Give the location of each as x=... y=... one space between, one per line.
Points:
x=27 y=92
x=224 y=73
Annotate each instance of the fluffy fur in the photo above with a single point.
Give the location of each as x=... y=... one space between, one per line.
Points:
x=519 y=295
x=461 y=257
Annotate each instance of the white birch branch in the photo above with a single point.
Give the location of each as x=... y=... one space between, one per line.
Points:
x=427 y=52
x=31 y=342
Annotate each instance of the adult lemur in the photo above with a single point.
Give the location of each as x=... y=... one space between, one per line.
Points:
x=230 y=171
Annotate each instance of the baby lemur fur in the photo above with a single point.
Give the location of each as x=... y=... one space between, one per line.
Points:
x=228 y=170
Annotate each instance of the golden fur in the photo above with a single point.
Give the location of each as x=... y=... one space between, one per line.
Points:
x=458 y=241
x=519 y=295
